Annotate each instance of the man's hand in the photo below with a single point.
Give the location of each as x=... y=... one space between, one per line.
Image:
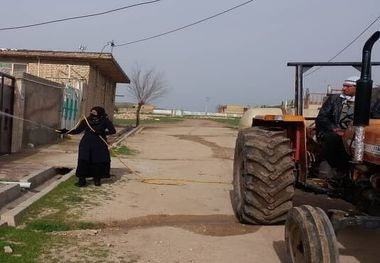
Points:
x=339 y=131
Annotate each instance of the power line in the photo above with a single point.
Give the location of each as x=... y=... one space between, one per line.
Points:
x=78 y=17
x=183 y=27
x=347 y=46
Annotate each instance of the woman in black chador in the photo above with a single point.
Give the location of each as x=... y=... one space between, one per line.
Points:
x=93 y=157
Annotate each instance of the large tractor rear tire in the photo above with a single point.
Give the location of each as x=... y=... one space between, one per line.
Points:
x=263 y=177
x=310 y=237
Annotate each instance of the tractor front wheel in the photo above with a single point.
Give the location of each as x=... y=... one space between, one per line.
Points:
x=263 y=179
x=310 y=237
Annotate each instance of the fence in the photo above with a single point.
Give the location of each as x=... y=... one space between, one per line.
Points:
x=194 y=113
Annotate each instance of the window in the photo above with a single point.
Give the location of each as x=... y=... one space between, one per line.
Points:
x=19 y=68
x=12 y=68
x=6 y=68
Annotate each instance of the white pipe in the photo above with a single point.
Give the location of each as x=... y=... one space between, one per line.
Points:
x=23 y=184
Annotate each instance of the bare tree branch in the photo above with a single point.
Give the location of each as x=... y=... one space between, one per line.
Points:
x=145 y=87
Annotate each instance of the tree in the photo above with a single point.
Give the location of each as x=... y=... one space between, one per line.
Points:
x=145 y=87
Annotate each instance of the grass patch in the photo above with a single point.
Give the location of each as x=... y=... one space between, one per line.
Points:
x=34 y=246
x=73 y=199
x=124 y=122
x=27 y=245
x=163 y=119
x=121 y=150
x=47 y=226
x=60 y=209
x=55 y=205
x=151 y=119
x=87 y=225
x=230 y=122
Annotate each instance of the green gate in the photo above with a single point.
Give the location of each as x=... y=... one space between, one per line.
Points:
x=71 y=107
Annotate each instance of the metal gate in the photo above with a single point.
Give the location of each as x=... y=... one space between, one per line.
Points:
x=71 y=107
x=7 y=84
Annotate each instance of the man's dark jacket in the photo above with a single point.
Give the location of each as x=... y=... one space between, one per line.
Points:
x=328 y=117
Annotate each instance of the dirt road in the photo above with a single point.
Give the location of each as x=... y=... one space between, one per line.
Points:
x=190 y=219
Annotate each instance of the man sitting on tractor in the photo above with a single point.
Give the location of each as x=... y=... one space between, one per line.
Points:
x=336 y=114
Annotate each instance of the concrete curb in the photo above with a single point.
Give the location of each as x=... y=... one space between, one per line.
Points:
x=130 y=133
x=12 y=217
x=39 y=177
x=9 y=193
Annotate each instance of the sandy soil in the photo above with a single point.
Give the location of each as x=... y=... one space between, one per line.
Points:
x=192 y=220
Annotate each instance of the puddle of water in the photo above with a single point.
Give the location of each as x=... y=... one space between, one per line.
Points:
x=210 y=225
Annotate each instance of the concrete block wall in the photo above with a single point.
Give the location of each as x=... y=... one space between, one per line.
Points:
x=41 y=105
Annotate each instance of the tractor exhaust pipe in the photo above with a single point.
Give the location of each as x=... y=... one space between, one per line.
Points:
x=363 y=97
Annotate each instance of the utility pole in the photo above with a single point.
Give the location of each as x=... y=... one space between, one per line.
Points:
x=112 y=45
x=207 y=100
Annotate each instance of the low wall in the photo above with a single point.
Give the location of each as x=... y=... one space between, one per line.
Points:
x=39 y=102
x=194 y=113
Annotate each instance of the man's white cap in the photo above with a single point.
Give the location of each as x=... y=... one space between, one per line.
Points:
x=351 y=80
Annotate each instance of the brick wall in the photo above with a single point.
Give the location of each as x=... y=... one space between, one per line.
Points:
x=61 y=73
x=97 y=89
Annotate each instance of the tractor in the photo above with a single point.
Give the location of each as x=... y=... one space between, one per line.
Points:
x=279 y=153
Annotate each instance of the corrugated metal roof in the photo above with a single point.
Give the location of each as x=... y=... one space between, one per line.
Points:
x=105 y=62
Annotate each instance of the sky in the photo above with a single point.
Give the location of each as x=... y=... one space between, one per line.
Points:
x=239 y=57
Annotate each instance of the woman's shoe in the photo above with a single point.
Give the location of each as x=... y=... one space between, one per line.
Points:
x=79 y=184
x=97 y=182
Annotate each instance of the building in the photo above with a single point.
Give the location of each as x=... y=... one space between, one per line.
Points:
x=94 y=74
x=232 y=109
x=45 y=89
